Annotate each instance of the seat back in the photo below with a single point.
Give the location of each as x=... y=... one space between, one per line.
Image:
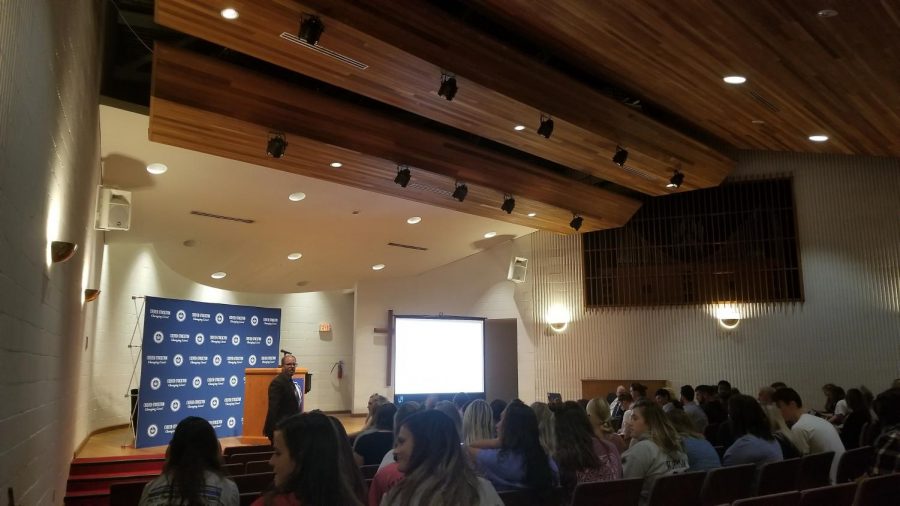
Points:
x=878 y=491
x=782 y=499
x=233 y=469
x=126 y=494
x=781 y=476
x=613 y=493
x=368 y=471
x=834 y=495
x=529 y=498
x=815 y=470
x=261 y=466
x=727 y=484
x=232 y=450
x=677 y=490
x=855 y=463
x=243 y=458
x=253 y=483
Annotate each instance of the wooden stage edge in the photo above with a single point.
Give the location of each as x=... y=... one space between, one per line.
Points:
x=117 y=441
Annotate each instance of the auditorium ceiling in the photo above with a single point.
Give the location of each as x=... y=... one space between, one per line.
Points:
x=615 y=75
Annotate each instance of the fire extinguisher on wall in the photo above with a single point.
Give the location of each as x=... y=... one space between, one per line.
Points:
x=340 y=368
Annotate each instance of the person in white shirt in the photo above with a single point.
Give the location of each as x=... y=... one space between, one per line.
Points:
x=819 y=435
x=615 y=403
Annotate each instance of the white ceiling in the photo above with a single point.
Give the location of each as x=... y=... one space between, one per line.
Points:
x=338 y=246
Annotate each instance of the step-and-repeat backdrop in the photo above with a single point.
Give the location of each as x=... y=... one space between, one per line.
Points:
x=193 y=361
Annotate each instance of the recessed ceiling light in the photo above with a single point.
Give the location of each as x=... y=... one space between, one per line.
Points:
x=229 y=13
x=157 y=168
x=735 y=79
x=519 y=128
x=377 y=267
x=758 y=122
x=827 y=13
x=295 y=256
x=532 y=214
x=218 y=275
x=818 y=138
x=413 y=220
x=489 y=235
x=297 y=197
x=337 y=165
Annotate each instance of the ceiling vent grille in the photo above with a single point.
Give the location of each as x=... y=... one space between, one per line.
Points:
x=764 y=102
x=407 y=246
x=220 y=217
x=638 y=172
x=290 y=37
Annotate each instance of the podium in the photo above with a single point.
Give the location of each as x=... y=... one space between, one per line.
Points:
x=256 y=400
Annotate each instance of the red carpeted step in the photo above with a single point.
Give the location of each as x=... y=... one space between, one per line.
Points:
x=136 y=464
x=88 y=498
x=101 y=482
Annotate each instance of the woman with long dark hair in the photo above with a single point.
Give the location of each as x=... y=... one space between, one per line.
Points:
x=192 y=475
x=428 y=452
x=309 y=461
x=754 y=442
x=858 y=417
x=520 y=462
x=580 y=454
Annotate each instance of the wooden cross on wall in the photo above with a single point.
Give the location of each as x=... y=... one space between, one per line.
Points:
x=390 y=344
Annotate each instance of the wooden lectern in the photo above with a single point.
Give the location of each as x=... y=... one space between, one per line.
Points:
x=256 y=401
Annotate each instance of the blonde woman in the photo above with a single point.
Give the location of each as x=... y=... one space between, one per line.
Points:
x=478 y=422
x=656 y=450
x=599 y=416
x=791 y=445
x=546 y=426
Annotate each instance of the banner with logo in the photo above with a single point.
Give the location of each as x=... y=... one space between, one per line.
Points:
x=193 y=360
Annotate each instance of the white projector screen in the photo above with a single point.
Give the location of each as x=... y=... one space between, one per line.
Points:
x=438 y=355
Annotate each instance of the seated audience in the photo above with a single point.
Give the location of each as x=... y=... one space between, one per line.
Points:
x=582 y=456
x=859 y=416
x=664 y=399
x=710 y=404
x=625 y=403
x=791 y=445
x=497 y=407
x=388 y=473
x=546 y=426
x=461 y=400
x=520 y=462
x=841 y=410
x=887 y=446
x=754 y=443
x=724 y=390
x=819 y=435
x=429 y=454
x=765 y=396
x=347 y=460
x=693 y=410
x=375 y=400
x=598 y=416
x=830 y=400
x=638 y=391
x=701 y=455
x=778 y=385
x=192 y=473
x=657 y=449
x=614 y=408
x=307 y=465
x=448 y=408
x=477 y=422
x=370 y=447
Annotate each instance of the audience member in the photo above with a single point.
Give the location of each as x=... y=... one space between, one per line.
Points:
x=764 y=397
x=347 y=461
x=582 y=403
x=625 y=403
x=638 y=391
x=693 y=410
x=831 y=397
x=615 y=409
x=701 y=455
x=710 y=404
x=859 y=416
x=520 y=462
x=724 y=390
x=754 y=443
x=388 y=473
x=657 y=450
x=192 y=473
x=431 y=401
x=307 y=465
x=546 y=426
x=582 y=456
x=375 y=400
x=887 y=446
x=598 y=416
x=448 y=408
x=370 y=447
x=429 y=454
x=791 y=445
x=841 y=410
x=778 y=385
x=664 y=399
x=461 y=400
x=478 y=422
x=819 y=435
x=497 y=407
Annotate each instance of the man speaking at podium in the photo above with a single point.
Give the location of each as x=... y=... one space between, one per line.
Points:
x=284 y=396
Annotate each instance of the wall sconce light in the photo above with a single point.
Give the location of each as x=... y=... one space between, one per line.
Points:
x=729 y=323
x=729 y=317
x=557 y=318
x=91 y=294
x=61 y=251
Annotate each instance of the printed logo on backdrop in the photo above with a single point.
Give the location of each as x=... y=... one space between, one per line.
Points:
x=199 y=339
x=198 y=382
x=155 y=383
x=200 y=317
x=169 y=428
x=251 y=360
x=235 y=339
x=215 y=381
x=195 y=403
x=158 y=337
x=254 y=320
x=233 y=381
x=232 y=401
x=220 y=318
x=179 y=338
x=157 y=359
x=268 y=360
x=231 y=422
x=177 y=360
x=214 y=402
x=180 y=315
x=198 y=359
x=254 y=339
x=269 y=340
x=270 y=321
x=235 y=359
x=152 y=430
x=217 y=360
x=175 y=405
x=176 y=382
x=236 y=319
x=214 y=339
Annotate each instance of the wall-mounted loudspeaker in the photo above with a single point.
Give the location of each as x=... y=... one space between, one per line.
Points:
x=517 y=268
x=113 y=209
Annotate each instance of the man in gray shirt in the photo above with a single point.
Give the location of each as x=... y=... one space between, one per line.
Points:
x=692 y=409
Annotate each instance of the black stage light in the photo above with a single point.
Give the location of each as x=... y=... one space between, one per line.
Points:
x=448 y=87
x=460 y=192
x=509 y=204
x=576 y=222
x=403 y=176
x=621 y=156
x=676 y=180
x=546 y=128
x=311 y=29
x=276 y=145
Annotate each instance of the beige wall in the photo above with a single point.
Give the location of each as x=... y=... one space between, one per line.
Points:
x=49 y=167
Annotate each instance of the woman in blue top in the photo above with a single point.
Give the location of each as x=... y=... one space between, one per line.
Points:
x=754 y=443
x=702 y=456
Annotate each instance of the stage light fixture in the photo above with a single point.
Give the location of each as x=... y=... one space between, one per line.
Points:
x=621 y=156
x=277 y=145
x=460 y=192
x=403 y=176
x=509 y=203
x=311 y=29
x=91 y=294
x=546 y=128
x=576 y=222
x=60 y=251
x=448 y=87
x=676 y=180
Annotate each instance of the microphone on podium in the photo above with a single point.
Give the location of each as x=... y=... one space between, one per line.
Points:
x=286 y=352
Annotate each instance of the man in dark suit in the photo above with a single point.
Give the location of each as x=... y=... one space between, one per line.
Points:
x=284 y=396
